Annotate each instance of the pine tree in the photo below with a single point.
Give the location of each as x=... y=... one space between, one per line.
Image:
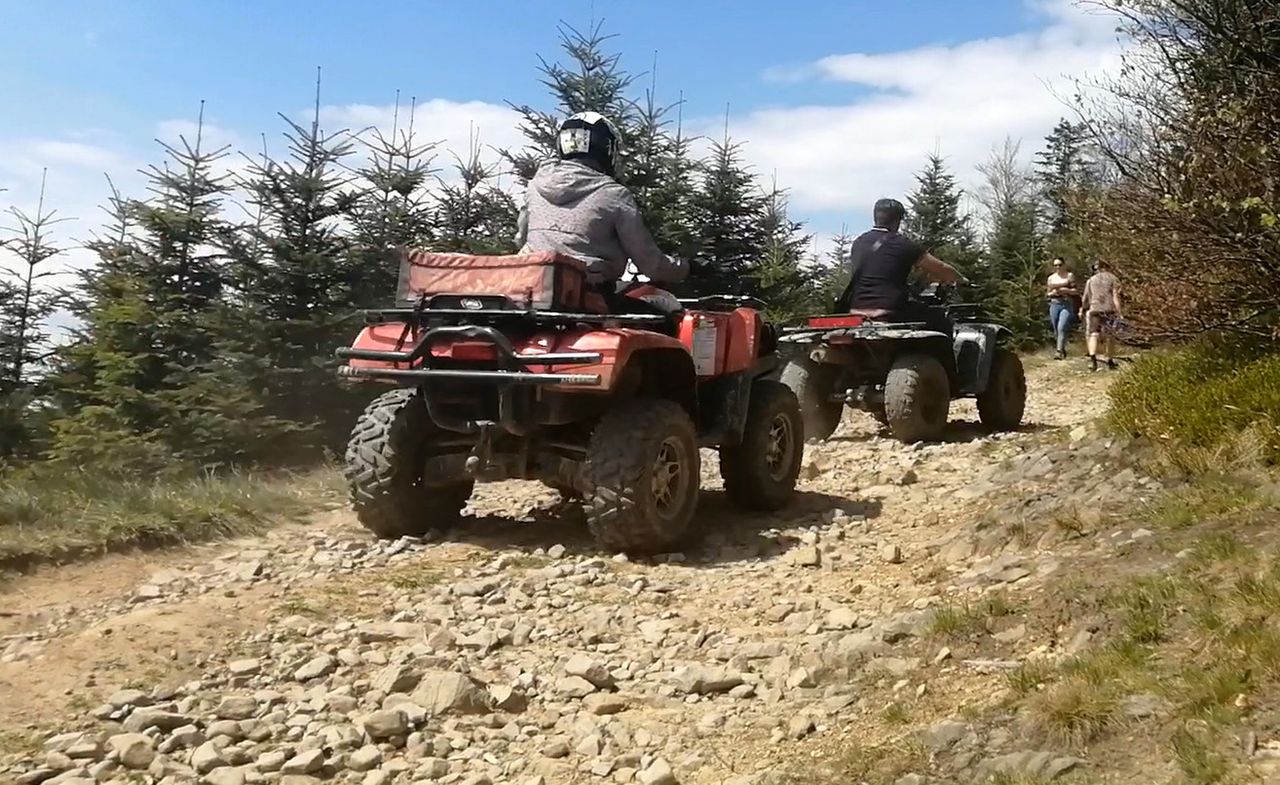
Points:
x=149 y=384
x=1062 y=169
x=27 y=300
x=1014 y=253
x=309 y=278
x=778 y=276
x=831 y=273
x=661 y=173
x=593 y=80
x=728 y=211
x=31 y=299
x=394 y=207
x=473 y=215
x=656 y=166
x=936 y=222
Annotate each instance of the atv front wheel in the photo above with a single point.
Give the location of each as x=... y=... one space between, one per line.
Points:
x=760 y=472
x=813 y=384
x=1001 y=405
x=917 y=398
x=384 y=462
x=641 y=476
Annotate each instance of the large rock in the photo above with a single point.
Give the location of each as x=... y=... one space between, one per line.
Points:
x=166 y=721
x=507 y=698
x=206 y=758
x=944 y=735
x=449 y=692
x=365 y=759
x=595 y=672
x=390 y=631
x=133 y=750
x=604 y=703
x=658 y=773
x=396 y=678
x=706 y=679
x=316 y=669
x=307 y=762
x=236 y=707
x=225 y=776
x=1036 y=765
x=385 y=724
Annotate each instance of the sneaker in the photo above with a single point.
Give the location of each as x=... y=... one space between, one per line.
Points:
x=1093 y=363
x=1112 y=364
x=1059 y=355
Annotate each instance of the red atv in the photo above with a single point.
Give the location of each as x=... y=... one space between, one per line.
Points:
x=511 y=368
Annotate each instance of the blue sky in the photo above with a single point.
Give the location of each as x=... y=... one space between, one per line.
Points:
x=842 y=99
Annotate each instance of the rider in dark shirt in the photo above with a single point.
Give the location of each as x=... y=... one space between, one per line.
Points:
x=882 y=260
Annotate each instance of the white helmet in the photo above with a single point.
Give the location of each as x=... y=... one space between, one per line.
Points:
x=591 y=135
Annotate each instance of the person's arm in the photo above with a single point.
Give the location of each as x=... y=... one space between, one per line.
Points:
x=1115 y=297
x=1084 y=298
x=937 y=270
x=639 y=246
x=522 y=225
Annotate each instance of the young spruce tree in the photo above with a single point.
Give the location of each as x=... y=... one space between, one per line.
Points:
x=936 y=221
x=309 y=278
x=154 y=380
x=27 y=300
x=394 y=206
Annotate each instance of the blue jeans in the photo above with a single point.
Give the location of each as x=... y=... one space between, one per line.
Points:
x=1061 y=317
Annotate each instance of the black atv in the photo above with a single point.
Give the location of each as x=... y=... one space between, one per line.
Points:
x=904 y=373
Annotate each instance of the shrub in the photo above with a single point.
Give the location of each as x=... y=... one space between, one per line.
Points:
x=1212 y=395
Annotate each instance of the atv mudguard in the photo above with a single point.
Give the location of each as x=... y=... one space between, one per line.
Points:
x=975 y=349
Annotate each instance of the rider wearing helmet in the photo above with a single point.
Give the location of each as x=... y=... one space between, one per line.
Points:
x=573 y=205
x=882 y=260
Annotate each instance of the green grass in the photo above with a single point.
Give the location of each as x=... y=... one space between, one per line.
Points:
x=966 y=619
x=1075 y=710
x=1212 y=402
x=1204 y=498
x=53 y=515
x=895 y=714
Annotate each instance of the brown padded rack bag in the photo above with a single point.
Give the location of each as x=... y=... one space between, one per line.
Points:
x=543 y=281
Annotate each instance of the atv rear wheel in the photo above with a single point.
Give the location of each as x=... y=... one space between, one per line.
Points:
x=813 y=384
x=760 y=472
x=917 y=398
x=383 y=467
x=1001 y=405
x=641 y=476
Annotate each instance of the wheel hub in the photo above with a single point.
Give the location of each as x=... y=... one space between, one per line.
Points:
x=668 y=478
x=780 y=447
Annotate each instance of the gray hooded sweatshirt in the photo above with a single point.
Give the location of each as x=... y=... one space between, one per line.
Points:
x=580 y=212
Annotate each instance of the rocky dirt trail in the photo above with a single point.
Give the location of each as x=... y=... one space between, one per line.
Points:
x=508 y=651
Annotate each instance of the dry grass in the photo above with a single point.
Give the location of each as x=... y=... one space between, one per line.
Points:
x=49 y=515
x=855 y=763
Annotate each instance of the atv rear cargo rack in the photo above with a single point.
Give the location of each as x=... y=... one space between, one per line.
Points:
x=511 y=366
x=491 y=315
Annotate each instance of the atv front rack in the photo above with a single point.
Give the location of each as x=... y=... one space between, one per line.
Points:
x=511 y=366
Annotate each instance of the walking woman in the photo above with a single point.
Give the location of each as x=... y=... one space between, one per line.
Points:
x=1062 y=293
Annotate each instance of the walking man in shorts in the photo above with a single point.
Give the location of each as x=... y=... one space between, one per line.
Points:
x=1100 y=308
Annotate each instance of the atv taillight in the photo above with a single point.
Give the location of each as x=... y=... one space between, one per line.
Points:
x=467 y=351
x=851 y=320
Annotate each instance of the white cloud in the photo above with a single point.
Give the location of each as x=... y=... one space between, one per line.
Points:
x=959 y=100
x=454 y=125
